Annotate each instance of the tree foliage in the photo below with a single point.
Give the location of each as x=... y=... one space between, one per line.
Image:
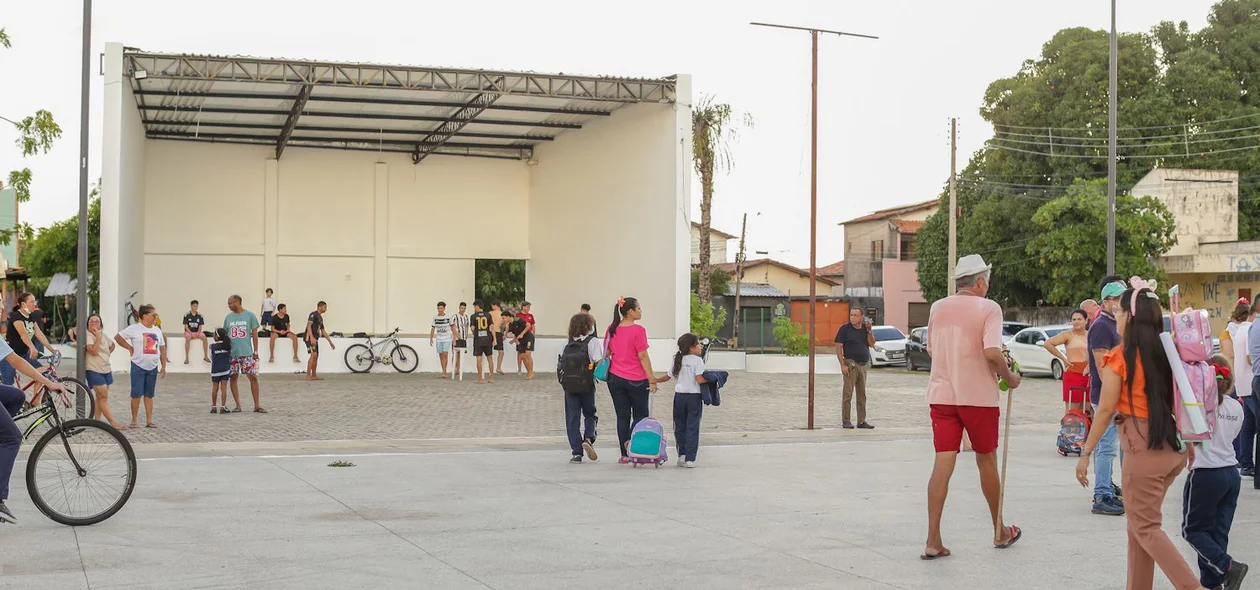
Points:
x=705 y=319
x=36 y=134
x=500 y=280
x=791 y=337
x=719 y=281
x=713 y=127
x=55 y=248
x=1180 y=92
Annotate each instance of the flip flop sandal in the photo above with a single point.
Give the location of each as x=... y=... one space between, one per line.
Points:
x=150 y=425
x=236 y=411
x=1015 y=532
x=260 y=411
x=926 y=557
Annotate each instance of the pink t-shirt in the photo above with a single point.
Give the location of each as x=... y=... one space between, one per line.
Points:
x=960 y=328
x=624 y=349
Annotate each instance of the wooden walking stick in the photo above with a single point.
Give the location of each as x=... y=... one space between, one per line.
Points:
x=1006 y=446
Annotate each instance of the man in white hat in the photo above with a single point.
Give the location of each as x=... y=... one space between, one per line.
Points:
x=965 y=342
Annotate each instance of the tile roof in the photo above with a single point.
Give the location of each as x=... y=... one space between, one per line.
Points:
x=894 y=211
x=907 y=227
x=729 y=267
x=832 y=270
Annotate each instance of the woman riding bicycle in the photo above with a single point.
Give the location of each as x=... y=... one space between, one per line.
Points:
x=22 y=336
x=10 y=436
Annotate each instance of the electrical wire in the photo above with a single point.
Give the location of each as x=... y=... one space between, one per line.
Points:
x=1104 y=127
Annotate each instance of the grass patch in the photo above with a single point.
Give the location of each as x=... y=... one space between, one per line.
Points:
x=341 y=464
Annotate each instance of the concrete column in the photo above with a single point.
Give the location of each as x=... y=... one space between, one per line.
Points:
x=380 y=275
x=271 y=221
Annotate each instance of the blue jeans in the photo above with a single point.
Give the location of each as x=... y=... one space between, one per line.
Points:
x=1247 y=440
x=10 y=437
x=630 y=401
x=143 y=382
x=8 y=374
x=1104 y=456
x=577 y=406
x=1208 y=503
x=687 y=410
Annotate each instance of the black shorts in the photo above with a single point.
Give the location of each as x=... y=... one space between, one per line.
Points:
x=525 y=343
x=498 y=340
x=484 y=350
x=312 y=347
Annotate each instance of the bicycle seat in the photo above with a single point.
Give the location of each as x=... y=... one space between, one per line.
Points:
x=360 y=335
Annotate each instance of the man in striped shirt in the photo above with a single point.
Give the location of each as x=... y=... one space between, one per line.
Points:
x=460 y=325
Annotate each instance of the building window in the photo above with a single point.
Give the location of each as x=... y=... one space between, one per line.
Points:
x=907 y=247
x=877 y=250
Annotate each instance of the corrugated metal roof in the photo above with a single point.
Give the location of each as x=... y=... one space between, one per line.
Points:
x=754 y=290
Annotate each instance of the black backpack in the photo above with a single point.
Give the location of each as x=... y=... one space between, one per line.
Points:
x=573 y=368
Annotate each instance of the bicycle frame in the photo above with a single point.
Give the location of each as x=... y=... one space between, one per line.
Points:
x=377 y=355
x=46 y=411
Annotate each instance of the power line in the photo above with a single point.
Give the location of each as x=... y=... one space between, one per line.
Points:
x=1053 y=145
x=992 y=145
x=1103 y=128
x=1186 y=133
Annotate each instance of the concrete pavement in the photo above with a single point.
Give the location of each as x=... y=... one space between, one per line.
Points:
x=763 y=510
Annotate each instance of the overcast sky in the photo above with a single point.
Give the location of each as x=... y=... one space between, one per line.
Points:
x=884 y=105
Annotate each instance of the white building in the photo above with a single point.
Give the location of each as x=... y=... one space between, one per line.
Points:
x=717 y=245
x=375 y=188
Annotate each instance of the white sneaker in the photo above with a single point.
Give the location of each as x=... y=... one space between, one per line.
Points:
x=689 y=464
x=682 y=461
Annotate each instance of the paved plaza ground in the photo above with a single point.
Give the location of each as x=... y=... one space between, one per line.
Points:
x=456 y=486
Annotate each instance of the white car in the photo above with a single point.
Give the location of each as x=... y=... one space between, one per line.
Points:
x=890 y=346
x=1027 y=349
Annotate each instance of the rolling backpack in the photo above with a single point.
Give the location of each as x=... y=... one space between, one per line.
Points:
x=647 y=443
x=1073 y=430
x=573 y=367
x=1194 y=380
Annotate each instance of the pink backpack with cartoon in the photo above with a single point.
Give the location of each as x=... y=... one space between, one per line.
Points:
x=1192 y=337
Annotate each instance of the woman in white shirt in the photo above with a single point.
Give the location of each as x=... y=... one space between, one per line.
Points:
x=688 y=369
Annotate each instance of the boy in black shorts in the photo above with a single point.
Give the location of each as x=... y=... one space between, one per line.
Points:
x=482 y=340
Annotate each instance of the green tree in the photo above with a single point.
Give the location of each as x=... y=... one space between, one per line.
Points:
x=719 y=281
x=500 y=280
x=789 y=334
x=55 y=248
x=705 y=320
x=713 y=127
x=36 y=134
x=1186 y=99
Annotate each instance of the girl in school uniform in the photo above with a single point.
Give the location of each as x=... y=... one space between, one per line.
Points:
x=1137 y=393
x=688 y=369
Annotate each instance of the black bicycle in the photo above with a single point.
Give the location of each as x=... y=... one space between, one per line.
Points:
x=81 y=471
x=361 y=357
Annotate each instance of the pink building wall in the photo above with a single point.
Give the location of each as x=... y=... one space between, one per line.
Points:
x=901 y=288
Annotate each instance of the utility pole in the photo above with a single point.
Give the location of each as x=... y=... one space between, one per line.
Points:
x=739 y=276
x=953 y=203
x=1111 y=145
x=81 y=297
x=810 y=319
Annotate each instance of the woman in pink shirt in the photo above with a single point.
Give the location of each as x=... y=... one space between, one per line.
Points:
x=630 y=375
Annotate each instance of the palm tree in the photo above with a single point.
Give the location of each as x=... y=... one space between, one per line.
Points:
x=712 y=130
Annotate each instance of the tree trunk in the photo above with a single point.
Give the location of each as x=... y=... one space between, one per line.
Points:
x=706 y=204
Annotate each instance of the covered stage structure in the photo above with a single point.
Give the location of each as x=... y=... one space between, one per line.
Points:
x=376 y=188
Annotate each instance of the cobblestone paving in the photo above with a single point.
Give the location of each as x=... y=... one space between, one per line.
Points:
x=385 y=406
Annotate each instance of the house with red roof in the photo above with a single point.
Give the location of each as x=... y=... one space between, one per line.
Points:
x=880 y=264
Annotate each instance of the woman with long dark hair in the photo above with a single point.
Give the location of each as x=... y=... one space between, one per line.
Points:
x=1137 y=392
x=1075 y=362
x=22 y=334
x=630 y=376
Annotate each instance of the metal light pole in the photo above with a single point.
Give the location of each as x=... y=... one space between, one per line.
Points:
x=739 y=276
x=81 y=298
x=1111 y=145
x=810 y=319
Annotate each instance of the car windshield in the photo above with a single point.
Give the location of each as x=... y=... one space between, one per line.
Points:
x=882 y=334
x=1052 y=332
x=1012 y=329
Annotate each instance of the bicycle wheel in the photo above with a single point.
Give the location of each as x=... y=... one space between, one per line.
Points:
x=82 y=400
x=82 y=473
x=404 y=358
x=359 y=358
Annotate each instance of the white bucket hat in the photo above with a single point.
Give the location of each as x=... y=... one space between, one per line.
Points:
x=971 y=264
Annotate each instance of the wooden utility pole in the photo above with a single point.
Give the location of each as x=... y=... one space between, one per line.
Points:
x=953 y=203
x=739 y=276
x=810 y=320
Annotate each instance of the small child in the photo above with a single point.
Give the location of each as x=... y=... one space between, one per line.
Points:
x=220 y=372
x=579 y=400
x=1211 y=493
x=688 y=369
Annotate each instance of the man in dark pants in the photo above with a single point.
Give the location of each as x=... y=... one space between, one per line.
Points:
x=1251 y=405
x=853 y=343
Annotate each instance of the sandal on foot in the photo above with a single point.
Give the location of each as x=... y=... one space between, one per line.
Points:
x=237 y=410
x=929 y=557
x=1015 y=533
x=259 y=411
x=150 y=425
x=133 y=425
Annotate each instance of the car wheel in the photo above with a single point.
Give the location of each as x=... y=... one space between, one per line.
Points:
x=1056 y=369
x=910 y=365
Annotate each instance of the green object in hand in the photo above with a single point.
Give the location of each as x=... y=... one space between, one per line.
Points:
x=1002 y=382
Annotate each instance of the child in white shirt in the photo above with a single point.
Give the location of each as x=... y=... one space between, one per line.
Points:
x=688 y=370
x=1211 y=493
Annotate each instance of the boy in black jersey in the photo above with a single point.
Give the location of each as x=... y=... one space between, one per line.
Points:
x=482 y=340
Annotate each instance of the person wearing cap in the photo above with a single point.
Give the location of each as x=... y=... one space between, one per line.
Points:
x=1104 y=336
x=965 y=341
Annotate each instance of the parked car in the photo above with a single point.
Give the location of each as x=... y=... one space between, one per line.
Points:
x=1010 y=329
x=890 y=346
x=917 y=356
x=1027 y=350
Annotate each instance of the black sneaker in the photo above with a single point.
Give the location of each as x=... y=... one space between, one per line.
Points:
x=847 y=424
x=6 y=515
x=1248 y=472
x=1108 y=507
x=1234 y=578
x=576 y=459
x=865 y=426
x=214 y=409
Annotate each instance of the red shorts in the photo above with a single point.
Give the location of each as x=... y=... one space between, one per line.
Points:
x=949 y=422
x=1075 y=387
